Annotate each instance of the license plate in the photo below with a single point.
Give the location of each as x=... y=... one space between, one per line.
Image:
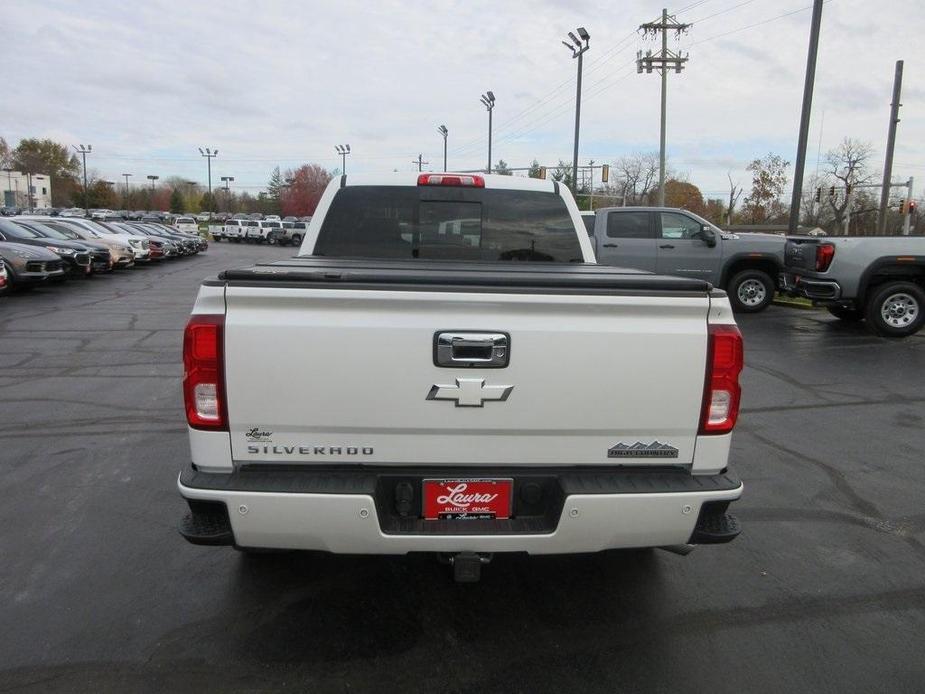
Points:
x=467 y=499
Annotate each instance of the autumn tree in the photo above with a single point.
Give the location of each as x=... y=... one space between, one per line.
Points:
x=769 y=179
x=207 y=202
x=715 y=211
x=682 y=194
x=176 y=201
x=307 y=183
x=52 y=158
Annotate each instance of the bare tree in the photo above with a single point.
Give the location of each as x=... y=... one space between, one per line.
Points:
x=846 y=166
x=735 y=190
x=637 y=173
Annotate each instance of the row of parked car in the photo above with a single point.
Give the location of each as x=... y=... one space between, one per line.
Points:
x=282 y=232
x=36 y=249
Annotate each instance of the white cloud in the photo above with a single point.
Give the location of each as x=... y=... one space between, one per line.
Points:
x=282 y=82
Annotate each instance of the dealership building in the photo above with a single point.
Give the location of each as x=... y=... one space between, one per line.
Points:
x=17 y=187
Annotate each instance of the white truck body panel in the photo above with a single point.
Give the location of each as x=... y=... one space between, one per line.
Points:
x=587 y=373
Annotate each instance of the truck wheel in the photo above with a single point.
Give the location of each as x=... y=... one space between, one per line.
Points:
x=296 y=240
x=849 y=315
x=896 y=309
x=750 y=291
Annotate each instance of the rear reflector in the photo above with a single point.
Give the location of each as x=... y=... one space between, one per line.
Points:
x=825 y=252
x=203 y=372
x=451 y=180
x=721 y=394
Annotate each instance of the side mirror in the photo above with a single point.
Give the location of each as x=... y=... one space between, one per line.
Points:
x=707 y=235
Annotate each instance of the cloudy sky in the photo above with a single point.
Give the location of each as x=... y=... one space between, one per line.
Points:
x=281 y=82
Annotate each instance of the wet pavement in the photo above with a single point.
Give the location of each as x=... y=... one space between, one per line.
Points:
x=823 y=591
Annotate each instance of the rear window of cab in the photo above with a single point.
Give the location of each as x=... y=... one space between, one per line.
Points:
x=449 y=223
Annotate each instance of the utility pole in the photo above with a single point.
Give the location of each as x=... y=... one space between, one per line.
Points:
x=420 y=162
x=488 y=100
x=578 y=50
x=226 y=180
x=661 y=62
x=83 y=151
x=796 y=196
x=209 y=155
x=126 y=175
x=890 y=144
x=443 y=131
x=153 y=179
x=343 y=151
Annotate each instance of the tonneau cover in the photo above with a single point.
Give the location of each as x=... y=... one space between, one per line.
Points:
x=448 y=275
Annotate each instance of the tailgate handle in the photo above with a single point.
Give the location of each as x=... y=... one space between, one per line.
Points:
x=469 y=349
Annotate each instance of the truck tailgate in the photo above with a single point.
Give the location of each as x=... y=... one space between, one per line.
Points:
x=342 y=375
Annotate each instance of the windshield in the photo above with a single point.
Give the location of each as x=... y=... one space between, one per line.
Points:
x=17 y=231
x=49 y=232
x=448 y=223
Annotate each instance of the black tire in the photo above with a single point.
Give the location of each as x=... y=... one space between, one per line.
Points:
x=750 y=291
x=271 y=240
x=896 y=309
x=849 y=315
x=297 y=240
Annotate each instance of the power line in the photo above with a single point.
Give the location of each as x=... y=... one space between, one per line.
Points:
x=721 y=12
x=752 y=26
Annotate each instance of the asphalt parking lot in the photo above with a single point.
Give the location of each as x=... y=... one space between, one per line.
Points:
x=823 y=591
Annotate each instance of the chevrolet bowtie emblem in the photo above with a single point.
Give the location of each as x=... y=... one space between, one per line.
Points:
x=469 y=392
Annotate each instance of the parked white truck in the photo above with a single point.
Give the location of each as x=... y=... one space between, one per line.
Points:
x=459 y=388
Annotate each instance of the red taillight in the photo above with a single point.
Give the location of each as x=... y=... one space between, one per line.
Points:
x=721 y=393
x=203 y=372
x=451 y=180
x=825 y=252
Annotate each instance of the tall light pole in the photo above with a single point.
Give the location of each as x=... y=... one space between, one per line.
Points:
x=443 y=131
x=662 y=61
x=83 y=151
x=209 y=155
x=578 y=50
x=126 y=175
x=488 y=100
x=153 y=179
x=343 y=151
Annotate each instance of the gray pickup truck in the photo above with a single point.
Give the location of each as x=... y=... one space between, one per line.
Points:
x=875 y=278
x=671 y=241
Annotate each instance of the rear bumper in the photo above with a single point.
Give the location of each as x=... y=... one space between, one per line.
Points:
x=809 y=287
x=353 y=512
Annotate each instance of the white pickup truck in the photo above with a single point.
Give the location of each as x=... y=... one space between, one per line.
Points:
x=462 y=389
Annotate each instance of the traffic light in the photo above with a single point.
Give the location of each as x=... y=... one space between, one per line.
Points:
x=902 y=206
x=605 y=173
x=911 y=206
x=818 y=194
x=832 y=192
x=542 y=172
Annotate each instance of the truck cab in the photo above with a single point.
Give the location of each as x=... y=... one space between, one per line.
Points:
x=670 y=241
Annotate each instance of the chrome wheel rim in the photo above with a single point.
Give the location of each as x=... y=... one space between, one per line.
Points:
x=752 y=292
x=899 y=310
